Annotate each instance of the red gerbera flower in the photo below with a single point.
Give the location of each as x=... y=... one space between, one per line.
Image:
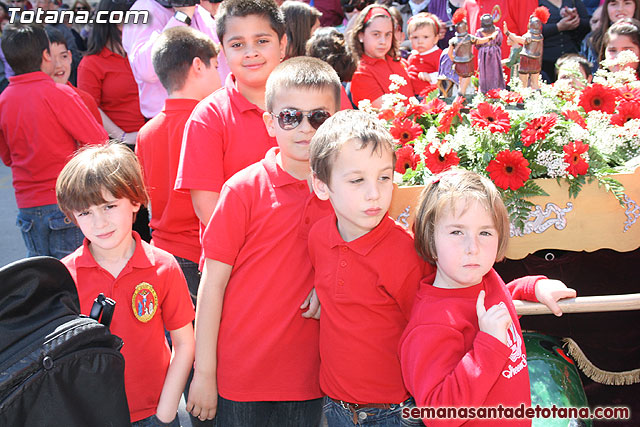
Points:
x=628 y=93
x=598 y=97
x=427 y=90
x=406 y=158
x=573 y=156
x=512 y=98
x=627 y=110
x=492 y=117
x=450 y=114
x=493 y=94
x=415 y=110
x=387 y=114
x=435 y=106
x=576 y=117
x=405 y=131
x=436 y=162
x=538 y=128
x=509 y=170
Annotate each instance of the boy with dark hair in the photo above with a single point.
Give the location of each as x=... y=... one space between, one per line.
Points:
x=61 y=73
x=185 y=61
x=226 y=132
x=38 y=136
x=258 y=350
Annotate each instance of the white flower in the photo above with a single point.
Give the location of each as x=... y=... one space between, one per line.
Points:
x=554 y=162
x=365 y=105
x=396 y=82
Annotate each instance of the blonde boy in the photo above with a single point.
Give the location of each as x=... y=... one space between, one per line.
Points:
x=366 y=272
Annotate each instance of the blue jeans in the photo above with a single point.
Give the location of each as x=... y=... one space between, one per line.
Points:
x=338 y=416
x=47 y=231
x=153 y=421
x=306 y=413
x=192 y=274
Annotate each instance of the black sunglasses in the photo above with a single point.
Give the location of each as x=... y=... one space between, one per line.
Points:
x=290 y=119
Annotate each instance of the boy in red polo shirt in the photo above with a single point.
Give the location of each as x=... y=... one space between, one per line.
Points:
x=41 y=125
x=225 y=132
x=185 y=61
x=258 y=351
x=62 y=71
x=366 y=272
x=102 y=189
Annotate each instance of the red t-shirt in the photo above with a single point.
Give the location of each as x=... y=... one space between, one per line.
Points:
x=371 y=79
x=88 y=101
x=427 y=62
x=224 y=134
x=447 y=361
x=514 y=13
x=151 y=294
x=42 y=124
x=366 y=289
x=266 y=349
x=173 y=221
x=107 y=77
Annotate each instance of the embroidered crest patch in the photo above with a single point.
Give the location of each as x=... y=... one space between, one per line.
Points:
x=144 y=302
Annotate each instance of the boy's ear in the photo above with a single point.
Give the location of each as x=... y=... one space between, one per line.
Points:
x=320 y=188
x=269 y=124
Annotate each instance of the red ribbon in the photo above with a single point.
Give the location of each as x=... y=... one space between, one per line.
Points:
x=376 y=11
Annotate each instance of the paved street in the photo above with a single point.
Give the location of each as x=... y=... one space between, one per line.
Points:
x=11 y=245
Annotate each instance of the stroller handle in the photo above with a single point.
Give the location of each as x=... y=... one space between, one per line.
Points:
x=591 y=304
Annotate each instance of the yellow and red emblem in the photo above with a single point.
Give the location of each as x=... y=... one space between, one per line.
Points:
x=144 y=302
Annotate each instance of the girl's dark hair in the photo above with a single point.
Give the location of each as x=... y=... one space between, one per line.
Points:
x=360 y=25
x=328 y=44
x=597 y=37
x=101 y=34
x=299 y=18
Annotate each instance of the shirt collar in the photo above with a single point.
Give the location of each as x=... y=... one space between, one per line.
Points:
x=417 y=8
x=31 y=77
x=179 y=104
x=433 y=49
x=237 y=98
x=142 y=256
x=364 y=244
x=369 y=60
x=278 y=176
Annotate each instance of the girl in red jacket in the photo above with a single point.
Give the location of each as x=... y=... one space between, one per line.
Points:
x=463 y=345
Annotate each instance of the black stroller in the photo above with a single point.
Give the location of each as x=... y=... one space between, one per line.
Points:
x=57 y=368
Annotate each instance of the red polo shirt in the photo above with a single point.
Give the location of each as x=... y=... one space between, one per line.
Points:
x=173 y=221
x=88 y=101
x=225 y=134
x=107 y=77
x=153 y=282
x=371 y=79
x=266 y=349
x=366 y=288
x=41 y=125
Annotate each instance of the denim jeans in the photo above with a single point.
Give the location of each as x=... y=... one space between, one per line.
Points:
x=47 y=231
x=192 y=274
x=306 y=413
x=338 y=416
x=153 y=421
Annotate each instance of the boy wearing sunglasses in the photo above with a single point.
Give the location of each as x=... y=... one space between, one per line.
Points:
x=257 y=355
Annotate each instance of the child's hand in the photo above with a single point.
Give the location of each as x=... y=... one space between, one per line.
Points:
x=494 y=321
x=548 y=291
x=424 y=76
x=203 y=397
x=313 y=303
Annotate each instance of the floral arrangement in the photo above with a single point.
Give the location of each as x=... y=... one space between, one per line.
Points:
x=569 y=131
